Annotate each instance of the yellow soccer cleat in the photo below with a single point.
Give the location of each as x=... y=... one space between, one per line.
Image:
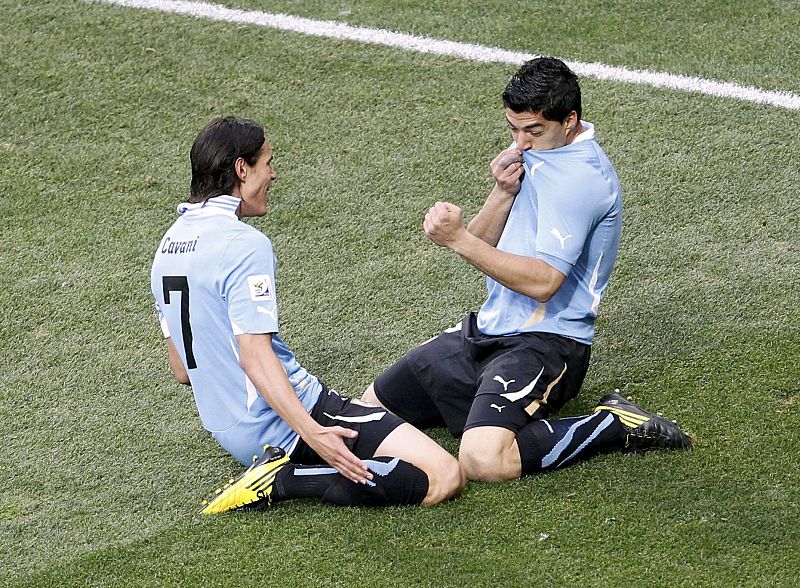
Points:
x=252 y=488
x=645 y=430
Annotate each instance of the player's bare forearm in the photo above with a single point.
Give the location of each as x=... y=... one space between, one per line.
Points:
x=526 y=275
x=490 y=221
x=532 y=277
x=264 y=369
x=175 y=363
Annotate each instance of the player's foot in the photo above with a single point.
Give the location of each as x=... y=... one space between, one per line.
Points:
x=644 y=429
x=252 y=488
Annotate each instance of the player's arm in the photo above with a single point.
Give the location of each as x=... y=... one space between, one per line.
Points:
x=507 y=170
x=532 y=277
x=173 y=357
x=175 y=363
x=264 y=369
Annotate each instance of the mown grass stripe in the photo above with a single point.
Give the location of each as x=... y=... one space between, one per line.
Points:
x=478 y=53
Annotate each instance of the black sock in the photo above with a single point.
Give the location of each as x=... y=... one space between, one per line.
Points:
x=303 y=481
x=394 y=482
x=551 y=444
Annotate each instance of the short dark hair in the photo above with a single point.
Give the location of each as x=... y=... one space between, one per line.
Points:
x=544 y=85
x=215 y=151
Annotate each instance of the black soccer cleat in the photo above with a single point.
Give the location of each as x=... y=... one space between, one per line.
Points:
x=644 y=430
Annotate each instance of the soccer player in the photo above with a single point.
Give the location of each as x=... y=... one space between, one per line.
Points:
x=213 y=279
x=546 y=237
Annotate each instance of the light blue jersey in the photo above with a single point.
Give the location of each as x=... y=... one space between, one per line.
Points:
x=568 y=213
x=213 y=278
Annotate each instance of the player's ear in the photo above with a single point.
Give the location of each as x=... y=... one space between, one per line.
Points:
x=572 y=121
x=240 y=166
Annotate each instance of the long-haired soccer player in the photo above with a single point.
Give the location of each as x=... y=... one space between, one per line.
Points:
x=214 y=282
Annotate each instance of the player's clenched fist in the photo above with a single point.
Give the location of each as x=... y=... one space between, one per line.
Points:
x=507 y=170
x=444 y=223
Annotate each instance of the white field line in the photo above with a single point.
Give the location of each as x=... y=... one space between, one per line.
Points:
x=479 y=53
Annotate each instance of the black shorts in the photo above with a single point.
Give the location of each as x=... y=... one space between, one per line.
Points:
x=464 y=379
x=372 y=423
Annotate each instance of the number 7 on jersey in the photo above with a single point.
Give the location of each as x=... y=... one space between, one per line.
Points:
x=181 y=284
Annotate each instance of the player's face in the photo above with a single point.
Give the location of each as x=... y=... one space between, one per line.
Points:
x=255 y=185
x=530 y=130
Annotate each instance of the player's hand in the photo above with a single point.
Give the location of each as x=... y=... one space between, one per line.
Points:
x=328 y=444
x=507 y=170
x=444 y=223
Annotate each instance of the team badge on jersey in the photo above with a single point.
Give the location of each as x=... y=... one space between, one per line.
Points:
x=260 y=288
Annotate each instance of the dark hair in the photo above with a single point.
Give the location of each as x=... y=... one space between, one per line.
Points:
x=216 y=149
x=544 y=85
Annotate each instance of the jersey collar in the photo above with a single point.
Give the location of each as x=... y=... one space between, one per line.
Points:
x=587 y=133
x=225 y=205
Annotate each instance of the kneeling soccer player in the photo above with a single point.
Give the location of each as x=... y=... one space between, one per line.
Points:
x=213 y=279
x=546 y=238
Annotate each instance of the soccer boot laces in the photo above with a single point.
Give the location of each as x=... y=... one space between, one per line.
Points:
x=644 y=430
x=252 y=489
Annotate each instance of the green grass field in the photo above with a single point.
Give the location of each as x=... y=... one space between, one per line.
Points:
x=104 y=460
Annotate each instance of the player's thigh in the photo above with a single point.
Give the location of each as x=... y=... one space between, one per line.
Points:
x=400 y=391
x=371 y=423
x=432 y=385
x=445 y=476
x=528 y=381
x=370 y=396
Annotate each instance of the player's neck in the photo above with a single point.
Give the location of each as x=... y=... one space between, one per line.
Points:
x=573 y=134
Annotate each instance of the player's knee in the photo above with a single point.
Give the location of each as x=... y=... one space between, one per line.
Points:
x=445 y=481
x=488 y=462
x=370 y=396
